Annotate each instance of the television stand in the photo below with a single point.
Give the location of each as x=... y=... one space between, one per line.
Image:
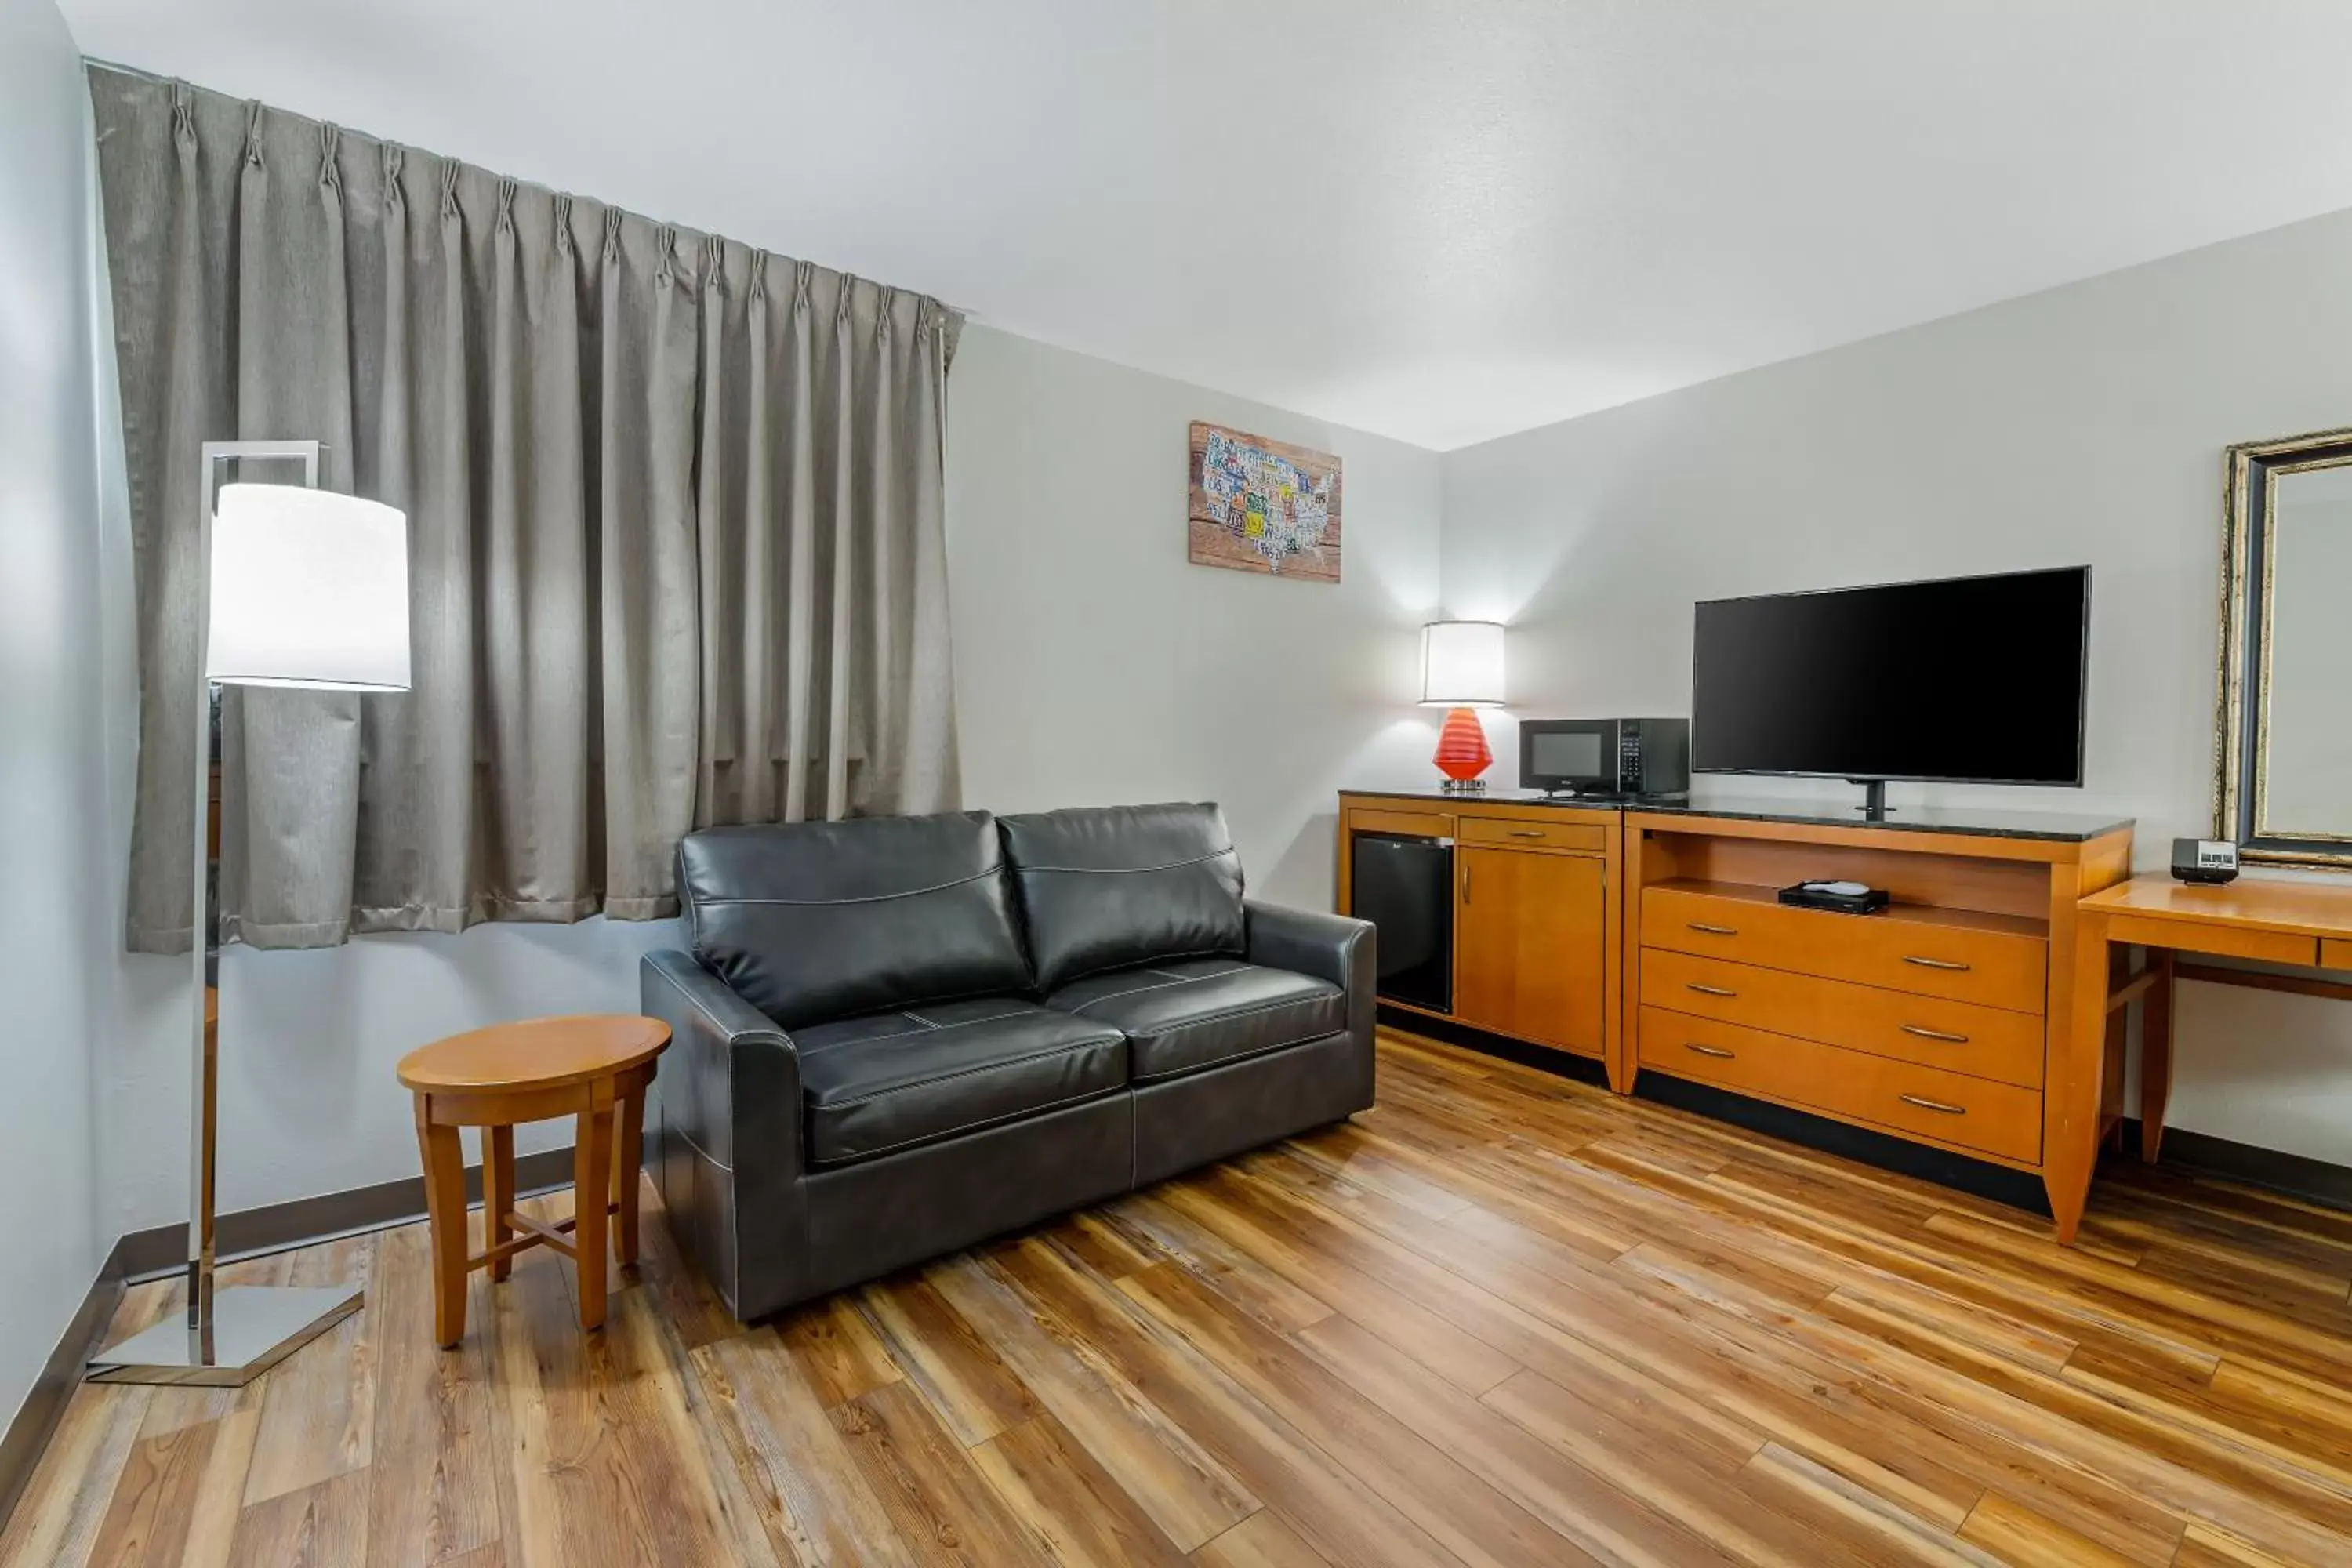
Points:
x=1873 y=799
x=1943 y=1020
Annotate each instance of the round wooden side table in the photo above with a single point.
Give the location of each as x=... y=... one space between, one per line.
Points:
x=595 y=1067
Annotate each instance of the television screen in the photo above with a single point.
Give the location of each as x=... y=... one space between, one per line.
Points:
x=1972 y=679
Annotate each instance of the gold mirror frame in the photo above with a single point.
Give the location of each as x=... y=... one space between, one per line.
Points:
x=2242 y=709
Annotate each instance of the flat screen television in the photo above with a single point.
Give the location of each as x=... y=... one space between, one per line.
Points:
x=1966 y=679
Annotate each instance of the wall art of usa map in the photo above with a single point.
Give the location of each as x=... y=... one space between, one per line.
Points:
x=1257 y=505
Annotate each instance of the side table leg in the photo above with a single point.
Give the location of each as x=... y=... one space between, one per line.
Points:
x=444 y=1207
x=628 y=1145
x=592 y=1178
x=497 y=1195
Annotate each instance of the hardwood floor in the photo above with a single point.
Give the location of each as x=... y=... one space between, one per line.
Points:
x=1502 y=1319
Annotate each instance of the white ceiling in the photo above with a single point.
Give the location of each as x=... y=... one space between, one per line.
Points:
x=1442 y=220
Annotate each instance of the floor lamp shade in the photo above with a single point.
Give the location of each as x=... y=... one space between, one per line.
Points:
x=309 y=588
x=1462 y=669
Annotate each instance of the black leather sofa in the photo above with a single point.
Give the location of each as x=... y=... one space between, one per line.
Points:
x=897 y=1035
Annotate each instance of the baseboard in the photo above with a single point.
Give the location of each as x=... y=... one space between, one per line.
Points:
x=2296 y=1175
x=22 y=1445
x=1562 y=1064
x=1981 y=1178
x=1900 y=1155
x=275 y=1227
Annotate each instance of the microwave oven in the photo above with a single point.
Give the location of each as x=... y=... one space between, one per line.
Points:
x=1615 y=757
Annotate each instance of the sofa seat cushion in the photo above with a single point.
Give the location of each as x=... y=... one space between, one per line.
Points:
x=1188 y=1014
x=891 y=1080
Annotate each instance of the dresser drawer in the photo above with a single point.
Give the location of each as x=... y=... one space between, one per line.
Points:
x=1946 y=1107
x=1522 y=835
x=1958 y=1036
x=2335 y=952
x=1942 y=957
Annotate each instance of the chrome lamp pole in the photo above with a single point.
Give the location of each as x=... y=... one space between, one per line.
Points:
x=299 y=587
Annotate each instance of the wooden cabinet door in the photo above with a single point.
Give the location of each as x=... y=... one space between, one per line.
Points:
x=1527 y=946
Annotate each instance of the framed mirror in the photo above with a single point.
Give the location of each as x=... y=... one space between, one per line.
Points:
x=2283 y=747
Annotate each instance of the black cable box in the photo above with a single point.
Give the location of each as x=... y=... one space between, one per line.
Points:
x=1843 y=898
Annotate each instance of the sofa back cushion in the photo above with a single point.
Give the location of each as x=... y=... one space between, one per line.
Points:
x=814 y=920
x=1106 y=887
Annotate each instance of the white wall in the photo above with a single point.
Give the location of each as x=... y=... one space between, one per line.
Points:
x=1094 y=663
x=2082 y=425
x=308 y=1042
x=54 y=952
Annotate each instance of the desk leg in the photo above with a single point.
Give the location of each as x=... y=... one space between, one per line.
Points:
x=2155 y=1055
x=2077 y=1074
x=2115 y=1061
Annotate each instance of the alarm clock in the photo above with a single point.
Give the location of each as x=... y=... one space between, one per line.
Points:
x=2209 y=860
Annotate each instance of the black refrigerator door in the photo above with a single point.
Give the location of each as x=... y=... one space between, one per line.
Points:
x=1405 y=887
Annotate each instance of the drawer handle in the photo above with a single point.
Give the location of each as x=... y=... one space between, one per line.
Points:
x=1933 y=963
x=1707 y=1050
x=1710 y=930
x=1926 y=1034
x=1925 y=1104
x=1707 y=989
x=1526 y=833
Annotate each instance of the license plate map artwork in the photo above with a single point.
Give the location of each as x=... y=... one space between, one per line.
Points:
x=1258 y=505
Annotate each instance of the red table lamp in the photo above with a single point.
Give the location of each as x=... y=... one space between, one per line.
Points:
x=1462 y=669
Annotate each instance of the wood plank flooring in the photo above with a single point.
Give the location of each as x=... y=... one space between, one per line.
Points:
x=1502 y=1319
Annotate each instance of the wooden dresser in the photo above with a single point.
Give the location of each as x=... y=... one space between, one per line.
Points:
x=1940 y=1020
x=1654 y=941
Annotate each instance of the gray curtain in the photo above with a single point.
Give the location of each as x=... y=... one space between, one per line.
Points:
x=676 y=526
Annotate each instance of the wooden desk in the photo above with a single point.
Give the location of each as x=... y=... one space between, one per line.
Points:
x=2304 y=923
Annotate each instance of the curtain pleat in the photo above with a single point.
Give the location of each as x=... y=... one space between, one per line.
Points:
x=798 y=525
x=926 y=772
x=677 y=549
x=753 y=747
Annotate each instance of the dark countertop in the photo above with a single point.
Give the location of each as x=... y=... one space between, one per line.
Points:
x=2057 y=827
x=1500 y=797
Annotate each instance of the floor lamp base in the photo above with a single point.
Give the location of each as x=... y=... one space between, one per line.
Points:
x=255 y=1327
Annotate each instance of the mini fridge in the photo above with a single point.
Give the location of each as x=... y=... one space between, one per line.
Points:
x=1404 y=885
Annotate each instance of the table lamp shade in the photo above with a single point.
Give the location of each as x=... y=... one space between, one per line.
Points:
x=309 y=588
x=1462 y=669
x=1462 y=664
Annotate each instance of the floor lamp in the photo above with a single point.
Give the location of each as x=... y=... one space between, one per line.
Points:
x=306 y=588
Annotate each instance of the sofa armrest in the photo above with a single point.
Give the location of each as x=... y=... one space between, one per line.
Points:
x=1329 y=947
x=730 y=1090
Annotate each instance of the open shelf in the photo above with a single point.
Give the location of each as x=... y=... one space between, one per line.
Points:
x=1945 y=875
x=1942 y=917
